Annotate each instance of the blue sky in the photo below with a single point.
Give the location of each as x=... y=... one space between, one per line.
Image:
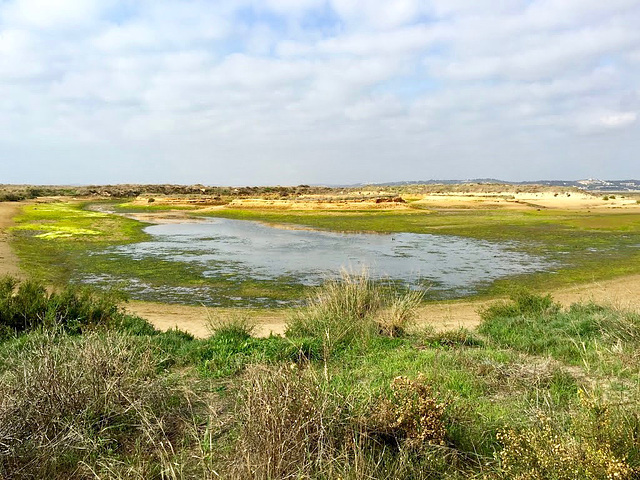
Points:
x=317 y=91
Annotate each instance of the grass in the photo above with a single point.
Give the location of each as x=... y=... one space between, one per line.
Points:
x=600 y=339
x=530 y=395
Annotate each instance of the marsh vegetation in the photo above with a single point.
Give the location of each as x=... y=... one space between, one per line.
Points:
x=353 y=390
x=71 y=241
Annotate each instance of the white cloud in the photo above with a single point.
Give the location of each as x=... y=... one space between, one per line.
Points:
x=618 y=119
x=308 y=91
x=58 y=14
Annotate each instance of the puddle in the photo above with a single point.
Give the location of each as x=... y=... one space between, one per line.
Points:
x=238 y=250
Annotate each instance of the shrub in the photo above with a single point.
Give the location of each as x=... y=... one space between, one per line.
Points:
x=411 y=418
x=27 y=305
x=522 y=303
x=547 y=452
x=72 y=406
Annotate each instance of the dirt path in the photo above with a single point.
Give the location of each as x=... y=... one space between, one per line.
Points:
x=8 y=260
x=621 y=292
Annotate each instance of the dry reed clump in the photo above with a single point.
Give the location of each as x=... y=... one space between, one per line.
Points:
x=291 y=425
x=586 y=451
x=411 y=418
x=352 y=308
x=399 y=316
x=86 y=406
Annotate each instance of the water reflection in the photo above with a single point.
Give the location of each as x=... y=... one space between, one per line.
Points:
x=240 y=250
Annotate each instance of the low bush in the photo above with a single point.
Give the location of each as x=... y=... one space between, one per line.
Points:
x=583 y=451
x=411 y=417
x=87 y=406
x=27 y=305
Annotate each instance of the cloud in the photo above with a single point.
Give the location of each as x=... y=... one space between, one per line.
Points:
x=618 y=119
x=283 y=91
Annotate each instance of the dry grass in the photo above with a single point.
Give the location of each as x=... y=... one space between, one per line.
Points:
x=291 y=425
x=352 y=309
x=88 y=406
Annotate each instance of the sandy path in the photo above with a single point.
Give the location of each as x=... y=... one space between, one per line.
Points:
x=621 y=292
x=195 y=319
x=8 y=260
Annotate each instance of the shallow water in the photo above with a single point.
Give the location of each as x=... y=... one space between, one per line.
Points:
x=241 y=250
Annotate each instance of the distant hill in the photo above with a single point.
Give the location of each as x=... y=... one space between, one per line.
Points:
x=591 y=184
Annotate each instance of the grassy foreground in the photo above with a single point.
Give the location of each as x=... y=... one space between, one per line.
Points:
x=352 y=391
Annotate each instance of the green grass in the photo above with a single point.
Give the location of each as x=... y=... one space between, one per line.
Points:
x=128 y=207
x=119 y=399
x=603 y=340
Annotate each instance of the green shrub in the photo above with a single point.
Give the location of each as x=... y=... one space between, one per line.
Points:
x=522 y=303
x=27 y=305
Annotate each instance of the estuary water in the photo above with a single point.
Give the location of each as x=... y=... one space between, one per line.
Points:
x=240 y=251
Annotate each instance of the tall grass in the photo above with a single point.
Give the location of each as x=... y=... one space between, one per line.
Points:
x=352 y=309
x=75 y=407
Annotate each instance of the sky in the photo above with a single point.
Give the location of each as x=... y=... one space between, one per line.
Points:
x=249 y=92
